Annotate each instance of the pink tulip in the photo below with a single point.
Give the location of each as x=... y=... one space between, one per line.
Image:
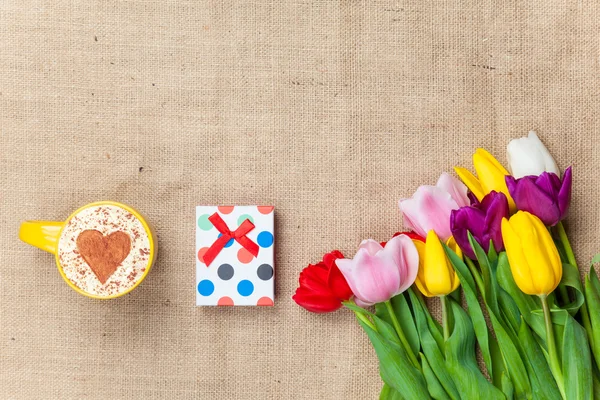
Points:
x=430 y=207
x=377 y=273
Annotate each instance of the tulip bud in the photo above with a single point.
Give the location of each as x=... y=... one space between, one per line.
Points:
x=436 y=276
x=490 y=177
x=377 y=273
x=528 y=156
x=534 y=260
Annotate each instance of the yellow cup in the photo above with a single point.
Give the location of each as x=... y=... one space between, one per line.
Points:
x=46 y=235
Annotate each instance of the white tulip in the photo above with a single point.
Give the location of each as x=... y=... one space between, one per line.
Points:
x=528 y=156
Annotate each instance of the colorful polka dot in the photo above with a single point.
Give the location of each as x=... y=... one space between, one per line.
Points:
x=244 y=217
x=229 y=243
x=265 y=301
x=201 y=253
x=244 y=256
x=225 y=272
x=245 y=288
x=265 y=209
x=225 y=209
x=225 y=301
x=204 y=223
x=206 y=287
x=265 y=272
x=265 y=239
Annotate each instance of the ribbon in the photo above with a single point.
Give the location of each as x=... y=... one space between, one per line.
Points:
x=226 y=235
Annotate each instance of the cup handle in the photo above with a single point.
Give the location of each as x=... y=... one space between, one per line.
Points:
x=41 y=234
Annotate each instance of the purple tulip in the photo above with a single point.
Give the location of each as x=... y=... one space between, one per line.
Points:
x=483 y=220
x=544 y=196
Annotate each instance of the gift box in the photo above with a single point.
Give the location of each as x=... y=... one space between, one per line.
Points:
x=234 y=255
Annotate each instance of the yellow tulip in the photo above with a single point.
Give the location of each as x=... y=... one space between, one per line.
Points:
x=532 y=254
x=490 y=176
x=436 y=276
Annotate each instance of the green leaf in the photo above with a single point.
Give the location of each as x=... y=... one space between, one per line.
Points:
x=596 y=259
x=433 y=385
x=526 y=304
x=592 y=296
x=387 y=393
x=353 y=307
x=505 y=335
x=506 y=385
x=394 y=366
x=432 y=351
x=461 y=361
x=490 y=294
x=405 y=319
x=481 y=330
x=577 y=362
x=434 y=326
x=512 y=358
x=596 y=388
x=492 y=253
x=542 y=382
x=571 y=279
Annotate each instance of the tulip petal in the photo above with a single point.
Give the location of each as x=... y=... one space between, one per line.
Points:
x=438 y=276
x=372 y=279
x=471 y=181
x=337 y=284
x=549 y=163
x=420 y=279
x=314 y=277
x=491 y=174
x=495 y=207
x=564 y=195
x=429 y=209
x=458 y=191
x=529 y=197
x=371 y=246
x=316 y=303
x=528 y=156
x=465 y=220
x=518 y=263
x=534 y=239
x=404 y=254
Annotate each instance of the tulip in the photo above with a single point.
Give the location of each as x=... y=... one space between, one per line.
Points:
x=483 y=220
x=430 y=206
x=528 y=156
x=377 y=273
x=490 y=176
x=544 y=196
x=532 y=254
x=322 y=286
x=436 y=275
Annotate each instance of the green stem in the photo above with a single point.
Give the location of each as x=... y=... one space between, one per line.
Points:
x=445 y=321
x=475 y=274
x=551 y=343
x=401 y=336
x=562 y=234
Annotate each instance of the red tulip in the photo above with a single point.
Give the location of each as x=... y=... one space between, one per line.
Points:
x=322 y=286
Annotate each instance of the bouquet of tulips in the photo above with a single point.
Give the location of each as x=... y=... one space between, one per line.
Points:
x=495 y=255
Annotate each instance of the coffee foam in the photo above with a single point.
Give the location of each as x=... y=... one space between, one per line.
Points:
x=106 y=219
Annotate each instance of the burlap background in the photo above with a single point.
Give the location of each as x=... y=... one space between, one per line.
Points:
x=329 y=110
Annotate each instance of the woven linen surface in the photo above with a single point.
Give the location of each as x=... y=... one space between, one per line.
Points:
x=329 y=110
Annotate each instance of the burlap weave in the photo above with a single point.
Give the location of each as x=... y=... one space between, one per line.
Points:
x=329 y=110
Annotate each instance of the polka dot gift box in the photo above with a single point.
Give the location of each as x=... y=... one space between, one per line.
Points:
x=234 y=255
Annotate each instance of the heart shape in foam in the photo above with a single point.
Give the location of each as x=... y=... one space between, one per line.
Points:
x=102 y=253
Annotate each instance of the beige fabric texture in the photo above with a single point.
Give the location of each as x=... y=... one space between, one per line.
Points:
x=329 y=110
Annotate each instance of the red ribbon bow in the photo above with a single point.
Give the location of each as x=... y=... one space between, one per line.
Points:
x=226 y=234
